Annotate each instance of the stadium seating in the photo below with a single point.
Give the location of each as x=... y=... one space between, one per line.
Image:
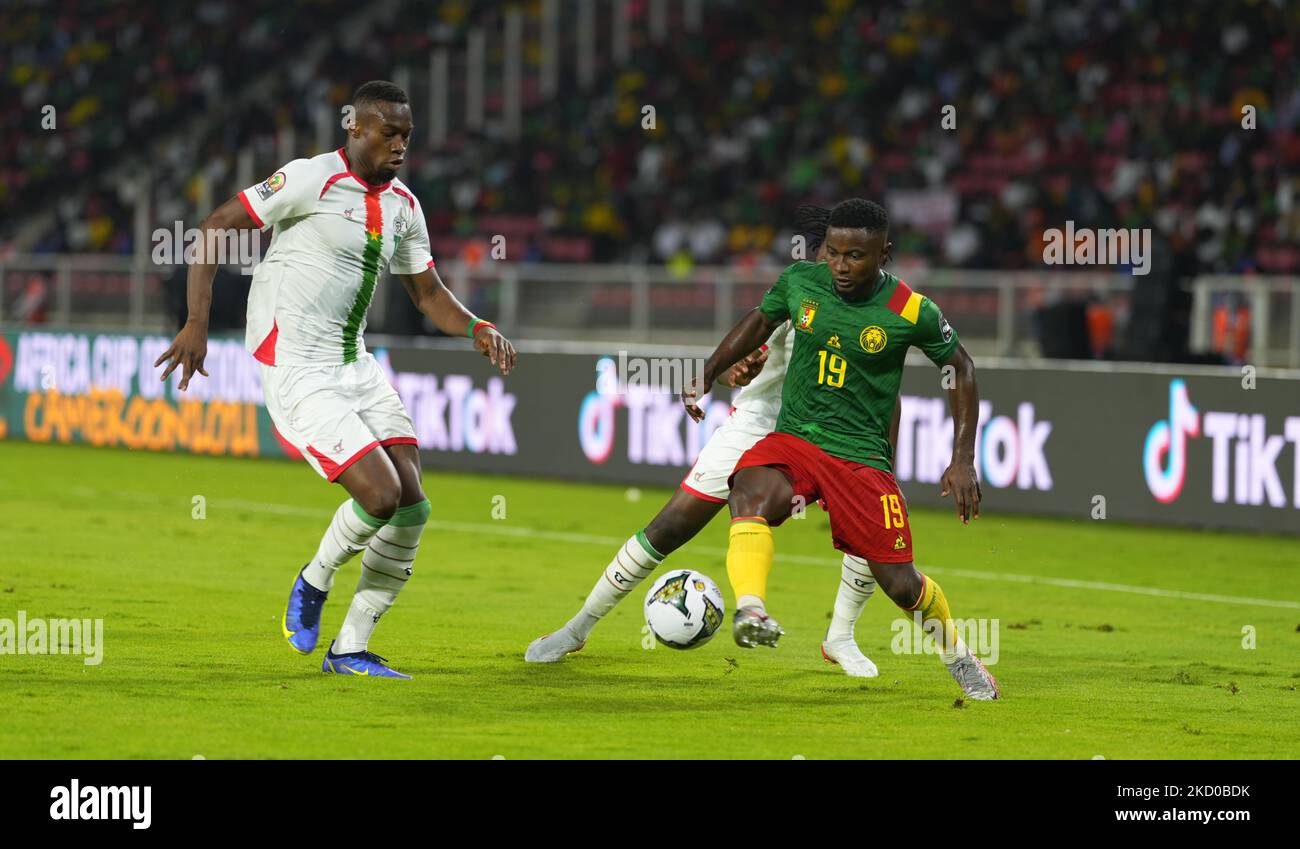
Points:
x=744 y=132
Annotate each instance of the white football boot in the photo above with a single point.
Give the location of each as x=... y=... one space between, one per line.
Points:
x=553 y=647
x=846 y=654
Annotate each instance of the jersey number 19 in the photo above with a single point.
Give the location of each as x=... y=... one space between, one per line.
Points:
x=836 y=366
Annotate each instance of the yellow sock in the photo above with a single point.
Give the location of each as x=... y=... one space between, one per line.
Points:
x=936 y=618
x=749 y=559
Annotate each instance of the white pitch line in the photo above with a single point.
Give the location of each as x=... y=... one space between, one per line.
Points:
x=612 y=542
x=1072 y=583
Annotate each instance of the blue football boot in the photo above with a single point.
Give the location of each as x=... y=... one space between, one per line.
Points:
x=301 y=622
x=359 y=663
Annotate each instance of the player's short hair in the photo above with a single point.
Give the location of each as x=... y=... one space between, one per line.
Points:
x=378 y=91
x=859 y=212
x=810 y=220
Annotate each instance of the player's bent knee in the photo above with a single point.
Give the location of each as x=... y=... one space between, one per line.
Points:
x=411 y=495
x=382 y=503
x=748 y=495
x=756 y=496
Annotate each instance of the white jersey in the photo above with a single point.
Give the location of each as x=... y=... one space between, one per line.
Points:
x=334 y=233
x=760 y=402
x=754 y=411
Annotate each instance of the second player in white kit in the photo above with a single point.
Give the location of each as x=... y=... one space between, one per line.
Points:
x=307 y=306
x=339 y=220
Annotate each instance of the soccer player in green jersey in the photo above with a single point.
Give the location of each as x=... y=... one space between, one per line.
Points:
x=853 y=323
x=704 y=492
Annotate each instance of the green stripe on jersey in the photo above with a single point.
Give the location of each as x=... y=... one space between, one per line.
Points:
x=369 y=275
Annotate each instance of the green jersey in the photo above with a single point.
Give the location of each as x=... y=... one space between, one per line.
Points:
x=847 y=364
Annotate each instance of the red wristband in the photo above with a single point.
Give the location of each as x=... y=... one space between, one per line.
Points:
x=477 y=324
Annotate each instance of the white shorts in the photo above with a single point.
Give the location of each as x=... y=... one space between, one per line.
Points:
x=707 y=479
x=334 y=415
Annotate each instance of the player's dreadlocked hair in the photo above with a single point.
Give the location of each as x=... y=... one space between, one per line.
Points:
x=857 y=212
x=378 y=91
x=810 y=220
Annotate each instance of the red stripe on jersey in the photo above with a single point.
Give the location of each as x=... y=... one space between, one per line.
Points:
x=899 y=299
x=248 y=207
x=369 y=188
x=332 y=180
x=406 y=195
x=430 y=265
x=374 y=214
x=399 y=440
x=265 y=352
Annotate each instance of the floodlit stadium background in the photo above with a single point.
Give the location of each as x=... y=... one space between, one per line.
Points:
x=608 y=175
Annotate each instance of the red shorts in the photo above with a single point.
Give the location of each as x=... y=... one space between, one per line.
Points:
x=868 y=514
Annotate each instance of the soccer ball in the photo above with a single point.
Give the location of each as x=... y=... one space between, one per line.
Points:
x=684 y=609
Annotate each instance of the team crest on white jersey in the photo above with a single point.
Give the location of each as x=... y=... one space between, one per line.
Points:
x=271 y=185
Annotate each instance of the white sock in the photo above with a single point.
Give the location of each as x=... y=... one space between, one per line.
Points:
x=750 y=601
x=856 y=587
x=635 y=562
x=385 y=568
x=957 y=652
x=348 y=533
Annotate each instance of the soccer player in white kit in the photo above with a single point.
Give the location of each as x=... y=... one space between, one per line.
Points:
x=338 y=219
x=703 y=493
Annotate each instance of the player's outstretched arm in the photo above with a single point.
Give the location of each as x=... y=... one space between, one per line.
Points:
x=433 y=299
x=190 y=346
x=748 y=334
x=744 y=372
x=964 y=402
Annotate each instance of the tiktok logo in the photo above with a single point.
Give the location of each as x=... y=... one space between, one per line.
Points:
x=1169 y=439
x=658 y=431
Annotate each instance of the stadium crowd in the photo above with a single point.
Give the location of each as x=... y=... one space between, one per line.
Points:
x=1110 y=115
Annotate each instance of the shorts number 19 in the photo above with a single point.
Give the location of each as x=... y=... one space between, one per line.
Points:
x=893 y=510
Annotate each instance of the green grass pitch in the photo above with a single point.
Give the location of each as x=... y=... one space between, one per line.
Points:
x=194 y=662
